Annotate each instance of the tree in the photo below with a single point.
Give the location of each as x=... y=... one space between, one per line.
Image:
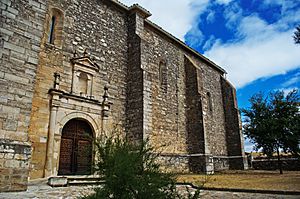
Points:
x=131 y=171
x=297 y=35
x=272 y=123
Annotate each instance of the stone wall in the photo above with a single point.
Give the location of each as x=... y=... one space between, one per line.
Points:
x=292 y=164
x=134 y=105
x=97 y=29
x=194 y=117
x=159 y=88
x=21 y=27
x=14 y=165
x=187 y=116
x=194 y=127
x=233 y=127
x=221 y=163
x=162 y=97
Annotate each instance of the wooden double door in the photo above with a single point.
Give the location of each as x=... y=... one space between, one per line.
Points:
x=76 y=149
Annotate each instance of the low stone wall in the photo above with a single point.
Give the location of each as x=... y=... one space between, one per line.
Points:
x=14 y=165
x=292 y=164
x=174 y=163
x=185 y=163
x=221 y=163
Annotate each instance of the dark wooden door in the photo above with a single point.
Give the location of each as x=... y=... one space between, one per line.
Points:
x=76 y=148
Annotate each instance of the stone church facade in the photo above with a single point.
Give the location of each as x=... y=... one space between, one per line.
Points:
x=72 y=71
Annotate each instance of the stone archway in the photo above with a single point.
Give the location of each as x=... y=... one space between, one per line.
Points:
x=76 y=148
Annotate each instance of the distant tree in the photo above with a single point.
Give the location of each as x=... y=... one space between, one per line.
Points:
x=297 y=35
x=272 y=123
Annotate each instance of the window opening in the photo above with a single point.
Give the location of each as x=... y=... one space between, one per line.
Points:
x=163 y=79
x=209 y=101
x=51 y=33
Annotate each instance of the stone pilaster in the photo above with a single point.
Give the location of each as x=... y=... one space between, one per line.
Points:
x=137 y=87
x=50 y=142
x=234 y=136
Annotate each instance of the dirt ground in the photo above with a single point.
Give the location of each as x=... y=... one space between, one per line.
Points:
x=249 y=179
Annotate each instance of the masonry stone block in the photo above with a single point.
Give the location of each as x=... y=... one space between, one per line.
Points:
x=7 y=32
x=6 y=2
x=10 y=125
x=58 y=181
x=8 y=14
x=15 y=78
x=14 y=47
x=12 y=10
x=34 y=3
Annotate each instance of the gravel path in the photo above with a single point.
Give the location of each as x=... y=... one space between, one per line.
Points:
x=41 y=191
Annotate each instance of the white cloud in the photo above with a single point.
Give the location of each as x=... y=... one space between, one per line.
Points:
x=248 y=145
x=175 y=16
x=259 y=49
x=210 y=17
x=293 y=80
x=195 y=37
x=264 y=51
x=232 y=14
x=285 y=4
x=225 y=2
x=288 y=19
x=208 y=44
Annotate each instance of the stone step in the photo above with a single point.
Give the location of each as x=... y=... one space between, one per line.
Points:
x=60 y=181
x=83 y=182
x=70 y=179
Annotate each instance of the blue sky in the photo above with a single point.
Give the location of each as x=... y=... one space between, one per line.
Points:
x=250 y=39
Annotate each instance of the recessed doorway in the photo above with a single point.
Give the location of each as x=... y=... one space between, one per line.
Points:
x=76 y=148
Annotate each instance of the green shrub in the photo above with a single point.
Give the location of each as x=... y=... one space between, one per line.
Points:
x=131 y=171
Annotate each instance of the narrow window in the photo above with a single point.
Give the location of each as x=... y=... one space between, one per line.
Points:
x=51 y=32
x=209 y=102
x=163 y=76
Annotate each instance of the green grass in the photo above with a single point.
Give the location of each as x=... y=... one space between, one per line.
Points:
x=257 y=180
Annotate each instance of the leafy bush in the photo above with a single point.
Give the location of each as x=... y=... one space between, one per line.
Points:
x=131 y=171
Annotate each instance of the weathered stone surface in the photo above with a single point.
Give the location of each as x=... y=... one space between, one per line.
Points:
x=234 y=135
x=58 y=181
x=16 y=87
x=158 y=88
x=14 y=159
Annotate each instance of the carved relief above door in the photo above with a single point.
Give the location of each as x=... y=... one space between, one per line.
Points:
x=84 y=72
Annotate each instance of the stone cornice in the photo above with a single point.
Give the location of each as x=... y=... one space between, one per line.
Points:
x=63 y=94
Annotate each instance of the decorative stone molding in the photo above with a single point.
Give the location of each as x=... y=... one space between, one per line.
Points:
x=84 y=71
